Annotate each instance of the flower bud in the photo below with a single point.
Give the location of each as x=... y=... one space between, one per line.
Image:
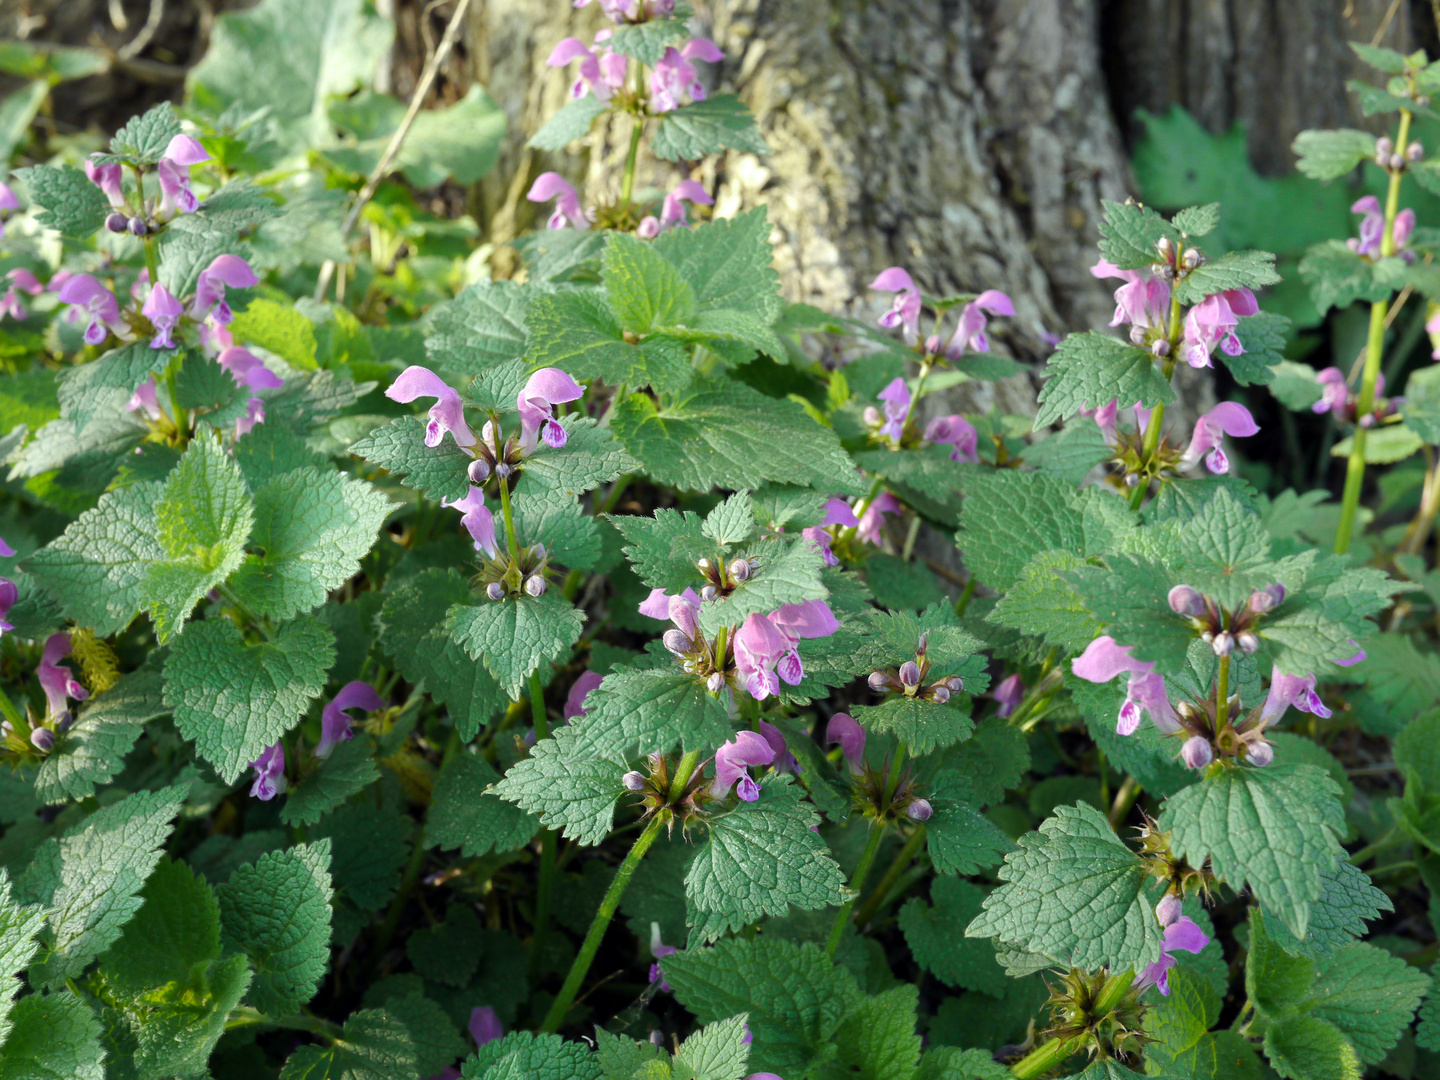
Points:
x=677 y=642
x=919 y=810
x=703 y=566
x=137 y=226
x=1268 y=599
x=1185 y=600
x=1137 y=335
x=1260 y=754
x=495 y=591
x=932 y=347
x=922 y=645
x=503 y=470
x=1367 y=421
x=1169 y=909
x=1161 y=347
x=116 y=222
x=63 y=721
x=479 y=471
x=1414 y=152
x=689 y=667
x=740 y=570
x=871 y=416
x=709 y=592
x=1397 y=161
x=1197 y=752
x=1383 y=145
x=657 y=1037
x=1224 y=644
x=1132 y=479
x=954 y=683
x=43 y=739
x=715 y=682
x=537 y=551
x=909 y=674
x=633 y=781
x=940 y=693
x=535 y=585
x=1248 y=642
x=879 y=682
x=1165 y=248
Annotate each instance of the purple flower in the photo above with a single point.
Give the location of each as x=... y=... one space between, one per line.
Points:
x=970 y=333
x=1227 y=418
x=1143 y=301
x=680 y=609
x=674 y=76
x=551 y=185
x=478 y=520
x=759 y=646
x=8 y=592
x=784 y=760
x=1009 y=694
x=247 y=369
x=795 y=622
x=872 y=516
x=335 y=723
x=672 y=210
x=897 y=410
x=542 y=392
x=447 y=414
x=58 y=682
x=485 y=1026
x=1103 y=659
x=601 y=73
x=1197 y=752
x=109 y=179
x=959 y=433
x=144 y=400
x=764 y=1076
x=163 y=311
x=174 y=173
x=269 y=774
x=731 y=761
x=575 y=700
x=1212 y=322
x=905 y=310
x=850 y=735
x=837 y=512
x=226 y=270
x=1181 y=932
x=1372 y=229
x=660 y=950
x=1288 y=690
x=98 y=301
x=8 y=201
x=1334 y=392
x=21 y=280
x=919 y=810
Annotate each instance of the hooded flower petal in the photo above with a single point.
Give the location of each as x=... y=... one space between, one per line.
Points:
x=872 y=516
x=575 y=700
x=897 y=398
x=335 y=724
x=731 y=760
x=225 y=271
x=448 y=412
x=672 y=211
x=551 y=185
x=850 y=735
x=959 y=433
x=58 y=682
x=163 y=311
x=759 y=647
x=1227 y=418
x=247 y=369
x=970 y=331
x=269 y=774
x=98 y=301
x=109 y=179
x=536 y=401
x=479 y=522
x=905 y=309
x=1103 y=659
x=1288 y=690
x=1184 y=934
x=1010 y=693
x=807 y=619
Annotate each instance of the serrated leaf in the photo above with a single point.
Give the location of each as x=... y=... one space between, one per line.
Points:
x=728 y=264
x=73 y=206
x=1347 y=901
x=516 y=635
x=924 y=726
x=1329 y=155
x=369 y=846
x=20 y=926
x=878 y=1040
x=399 y=448
x=1275 y=830
x=568 y=124
x=1088 y=370
x=1233 y=270
x=235 y=699
x=1010 y=517
x=1383 y=446
x=1129 y=233
x=1369 y=994
x=1043 y=603
x=349 y=769
x=373 y=1046
x=177 y=928
x=1338 y=277
x=935 y=933
x=277 y=911
x=568 y=785
x=577 y=332
x=145 y=138
x=1074 y=892
x=590 y=457
x=450 y=952
x=694 y=131
x=718 y=1051
x=90 y=879
x=93 y=749
x=649 y=711
x=1263 y=338
x=781 y=573
x=465 y=814
x=1198 y=220
x=1307 y=1048
x=438 y=1044
x=53 y=1036
x=523 y=1055
x=80 y=389
x=664 y=547
x=643 y=289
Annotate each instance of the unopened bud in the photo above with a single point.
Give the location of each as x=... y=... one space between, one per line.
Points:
x=1197 y=753
x=932 y=345
x=1383 y=145
x=1132 y=479
x=690 y=667
x=535 y=585
x=740 y=570
x=1223 y=644
x=1191 y=259
x=954 y=683
x=1137 y=335
x=909 y=674
x=479 y=471
x=64 y=720
x=116 y=222
x=1161 y=347
x=923 y=644
x=1169 y=909
x=1268 y=599
x=43 y=739
x=1260 y=754
x=715 y=682
x=677 y=642
x=1397 y=161
x=657 y=1037
x=940 y=694
x=919 y=810
x=495 y=591
x=537 y=551
x=1248 y=642
x=503 y=470
x=871 y=416
x=1165 y=248
x=1414 y=152
x=703 y=566
x=1367 y=421
x=879 y=682
x=709 y=592
x=1185 y=600
x=137 y=226
x=633 y=781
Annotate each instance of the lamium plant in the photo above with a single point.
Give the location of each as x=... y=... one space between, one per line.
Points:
x=409 y=674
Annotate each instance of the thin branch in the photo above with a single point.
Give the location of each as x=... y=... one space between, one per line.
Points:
x=147 y=32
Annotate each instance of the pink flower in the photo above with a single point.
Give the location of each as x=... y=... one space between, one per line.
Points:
x=544 y=389
x=1334 y=392
x=872 y=516
x=8 y=201
x=21 y=281
x=844 y=730
x=485 y=1026
x=672 y=211
x=731 y=761
x=447 y=414
x=477 y=519
x=784 y=760
x=1372 y=230
x=1009 y=694
x=660 y=950
x=551 y=185
x=959 y=433
x=163 y=311
x=1182 y=932
x=601 y=73
x=1227 y=418
x=837 y=512
x=109 y=179
x=225 y=270
x=575 y=700
x=335 y=723
x=970 y=332
x=97 y=301
x=1143 y=301
x=247 y=370
x=174 y=172
x=674 y=76
x=759 y=646
x=1103 y=659
x=897 y=410
x=1288 y=690
x=144 y=400
x=58 y=682
x=1212 y=322
x=269 y=774
x=905 y=310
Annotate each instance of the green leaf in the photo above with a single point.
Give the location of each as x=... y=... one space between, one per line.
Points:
x=1386 y=60
x=277 y=911
x=314 y=526
x=437 y=1040
x=1347 y=901
x=1198 y=220
x=349 y=769
x=1369 y=994
x=73 y=206
x=93 y=749
x=279 y=327
x=878 y=1041
x=459 y=142
x=1071 y=452
x=482 y=329
x=516 y=635
x=577 y=332
x=1275 y=829
x=720 y=433
x=54 y=1036
x=590 y=457
x=146 y=137
x=522 y=1055
x=1383 y=446
x=399 y=448
x=449 y=953
x=20 y=926
x=649 y=711
x=644 y=290
x=1088 y=370
x=369 y=846
x=568 y=785
x=961 y=840
x=924 y=726
x=761 y=859
x=718 y=1051
x=728 y=264
x=1129 y=234
x=1226 y=553
x=1329 y=155
x=1263 y=338
x=648 y=41
x=89 y=880
x=738 y=327
x=1043 y=603
x=465 y=814
x=694 y=131
x=79 y=389
x=570 y=123
x=663 y=549
x=17 y=113
x=1422 y=404
x=1307 y=1048
x=413 y=633
x=1010 y=517
x=900 y=585
x=373 y=1046
x=795 y=997
x=235 y=699
x=1233 y=270
x=1338 y=277
x=952 y=1063
x=936 y=936
x=177 y=928
x=781 y=573
x=1074 y=892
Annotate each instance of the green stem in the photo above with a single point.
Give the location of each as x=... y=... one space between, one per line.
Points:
x=892 y=875
x=152 y=261
x=509 y=523
x=245 y=1016
x=244 y=612
x=545 y=887
x=965 y=597
x=857 y=882
x=892 y=776
x=1222 y=689
x=1046 y=1057
x=1392 y=839
x=1151 y=442
x=1374 y=347
x=591 y=945
x=627 y=186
